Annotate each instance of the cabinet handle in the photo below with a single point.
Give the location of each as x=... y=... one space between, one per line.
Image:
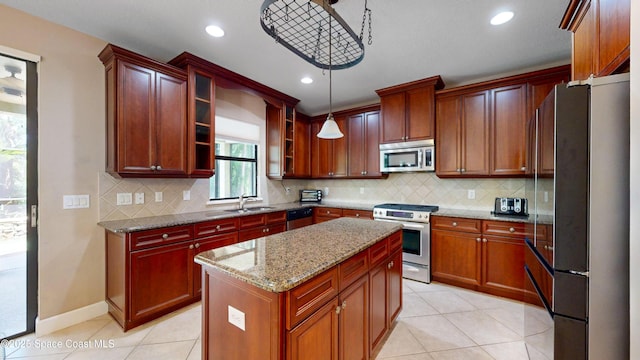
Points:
x=550 y=248
x=328 y=212
x=338 y=308
x=267 y=229
x=524 y=168
x=218 y=227
x=463 y=170
x=191 y=246
x=153 y=167
x=158 y=167
x=455 y=223
x=390 y=265
x=357 y=215
x=512 y=230
x=197 y=245
x=344 y=304
x=484 y=240
x=165 y=236
x=458 y=170
x=478 y=239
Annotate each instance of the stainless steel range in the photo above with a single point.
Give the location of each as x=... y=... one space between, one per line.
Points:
x=416 y=236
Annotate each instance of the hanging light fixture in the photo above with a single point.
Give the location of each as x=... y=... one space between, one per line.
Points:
x=330 y=129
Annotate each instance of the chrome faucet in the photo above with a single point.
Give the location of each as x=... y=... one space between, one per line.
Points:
x=241 y=201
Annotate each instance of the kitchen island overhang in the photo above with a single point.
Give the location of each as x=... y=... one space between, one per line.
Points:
x=303 y=290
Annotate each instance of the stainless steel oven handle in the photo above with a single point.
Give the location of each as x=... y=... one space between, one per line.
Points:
x=416 y=226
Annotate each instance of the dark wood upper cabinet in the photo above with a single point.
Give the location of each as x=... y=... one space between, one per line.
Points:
x=146 y=116
x=407 y=111
x=288 y=149
x=364 y=144
x=601 y=36
x=329 y=156
x=485 y=129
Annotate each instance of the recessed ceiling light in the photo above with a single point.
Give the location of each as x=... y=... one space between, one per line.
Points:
x=214 y=31
x=306 y=80
x=502 y=18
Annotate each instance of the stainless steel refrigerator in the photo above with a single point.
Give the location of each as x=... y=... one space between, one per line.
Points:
x=580 y=188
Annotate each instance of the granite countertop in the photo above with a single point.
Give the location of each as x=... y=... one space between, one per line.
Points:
x=154 y=222
x=280 y=262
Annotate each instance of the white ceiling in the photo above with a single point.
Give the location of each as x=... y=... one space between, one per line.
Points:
x=412 y=39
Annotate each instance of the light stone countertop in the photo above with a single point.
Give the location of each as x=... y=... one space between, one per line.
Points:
x=280 y=262
x=154 y=222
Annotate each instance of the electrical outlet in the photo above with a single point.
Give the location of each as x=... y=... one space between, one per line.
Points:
x=186 y=195
x=361 y=190
x=139 y=198
x=158 y=196
x=546 y=196
x=471 y=194
x=326 y=191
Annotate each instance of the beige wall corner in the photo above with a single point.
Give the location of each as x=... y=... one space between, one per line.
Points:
x=634 y=236
x=71 y=155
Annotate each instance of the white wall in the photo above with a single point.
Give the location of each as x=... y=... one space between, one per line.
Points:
x=71 y=115
x=634 y=235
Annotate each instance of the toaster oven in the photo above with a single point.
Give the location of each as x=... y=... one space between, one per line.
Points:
x=308 y=195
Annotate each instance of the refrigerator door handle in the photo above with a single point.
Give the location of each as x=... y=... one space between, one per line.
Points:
x=582 y=273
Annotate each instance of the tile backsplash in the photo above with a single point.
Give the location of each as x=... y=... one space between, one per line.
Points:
x=416 y=188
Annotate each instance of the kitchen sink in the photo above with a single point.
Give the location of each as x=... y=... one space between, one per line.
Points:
x=250 y=209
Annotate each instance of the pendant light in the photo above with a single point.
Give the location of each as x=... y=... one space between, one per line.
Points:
x=330 y=129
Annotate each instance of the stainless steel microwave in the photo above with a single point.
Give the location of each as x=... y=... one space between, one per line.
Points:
x=408 y=156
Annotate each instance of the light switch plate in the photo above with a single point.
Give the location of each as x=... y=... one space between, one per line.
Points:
x=75 y=201
x=471 y=194
x=158 y=196
x=124 y=199
x=186 y=195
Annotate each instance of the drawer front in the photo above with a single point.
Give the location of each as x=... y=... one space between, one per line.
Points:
x=275 y=217
x=515 y=229
x=309 y=296
x=327 y=212
x=378 y=252
x=353 y=268
x=156 y=237
x=245 y=222
x=361 y=214
x=249 y=234
x=395 y=242
x=216 y=227
x=456 y=224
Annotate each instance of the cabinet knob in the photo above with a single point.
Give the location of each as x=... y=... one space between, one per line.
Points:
x=267 y=229
x=512 y=230
x=458 y=170
x=454 y=223
x=338 y=308
x=484 y=240
x=158 y=167
x=197 y=245
x=357 y=215
x=153 y=167
x=478 y=239
x=463 y=170
x=191 y=246
x=165 y=236
x=344 y=304
x=218 y=227
x=524 y=168
x=550 y=248
x=328 y=212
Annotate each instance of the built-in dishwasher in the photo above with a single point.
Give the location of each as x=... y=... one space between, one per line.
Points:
x=297 y=218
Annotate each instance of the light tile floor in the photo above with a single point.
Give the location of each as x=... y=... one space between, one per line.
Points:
x=437 y=322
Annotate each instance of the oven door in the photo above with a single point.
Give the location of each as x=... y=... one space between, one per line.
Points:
x=415 y=243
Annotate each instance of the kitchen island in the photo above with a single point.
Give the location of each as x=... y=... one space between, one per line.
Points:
x=331 y=290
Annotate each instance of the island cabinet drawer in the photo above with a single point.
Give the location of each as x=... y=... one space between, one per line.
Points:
x=311 y=295
x=353 y=268
x=378 y=252
x=395 y=242
x=245 y=222
x=515 y=229
x=456 y=224
x=216 y=227
x=360 y=214
x=275 y=217
x=163 y=236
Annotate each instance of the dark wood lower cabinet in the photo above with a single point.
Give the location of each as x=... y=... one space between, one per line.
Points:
x=456 y=258
x=317 y=336
x=503 y=266
x=354 y=321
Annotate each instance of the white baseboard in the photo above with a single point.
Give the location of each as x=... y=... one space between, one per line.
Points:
x=58 y=322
